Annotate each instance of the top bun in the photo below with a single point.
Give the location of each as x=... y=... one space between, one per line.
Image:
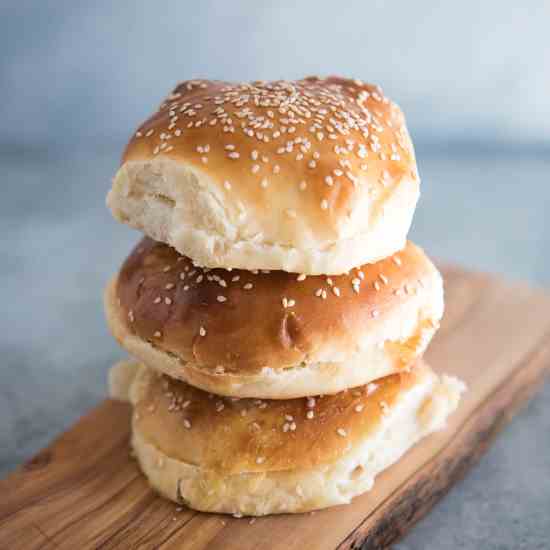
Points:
x=314 y=176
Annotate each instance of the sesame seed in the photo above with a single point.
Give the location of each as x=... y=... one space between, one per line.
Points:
x=157 y=334
x=227 y=185
x=336 y=291
x=359 y=408
x=324 y=204
x=384 y=279
x=397 y=261
x=221 y=298
x=302 y=185
x=310 y=415
x=149 y=133
x=169 y=286
x=264 y=183
x=186 y=423
x=202 y=331
x=341 y=432
x=255 y=168
x=260 y=460
x=167 y=301
x=301 y=277
x=371 y=387
x=375 y=313
x=234 y=155
x=248 y=286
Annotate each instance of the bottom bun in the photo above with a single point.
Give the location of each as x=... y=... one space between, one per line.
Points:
x=256 y=457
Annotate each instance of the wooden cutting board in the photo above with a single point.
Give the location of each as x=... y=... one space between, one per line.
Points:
x=84 y=491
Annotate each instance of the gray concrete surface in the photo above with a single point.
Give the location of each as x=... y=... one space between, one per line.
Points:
x=487 y=210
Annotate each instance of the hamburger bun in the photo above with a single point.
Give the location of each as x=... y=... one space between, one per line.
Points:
x=314 y=176
x=273 y=334
x=256 y=457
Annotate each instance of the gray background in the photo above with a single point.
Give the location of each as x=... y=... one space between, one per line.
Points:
x=77 y=77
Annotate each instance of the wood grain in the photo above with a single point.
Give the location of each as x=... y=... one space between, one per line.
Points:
x=84 y=491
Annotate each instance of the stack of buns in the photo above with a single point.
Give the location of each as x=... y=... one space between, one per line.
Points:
x=275 y=310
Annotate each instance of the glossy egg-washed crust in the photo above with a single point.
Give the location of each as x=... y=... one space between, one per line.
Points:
x=312 y=176
x=312 y=140
x=243 y=321
x=252 y=435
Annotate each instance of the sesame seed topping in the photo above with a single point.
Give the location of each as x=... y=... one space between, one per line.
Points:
x=167 y=301
x=157 y=334
x=221 y=298
x=248 y=286
x=341 y=432
x=169 y=286
x=186 y=423
x=324 y=204
x=310 y=414
x=359 y=408
x=260 y=460
x=301 y=277
x=202 y=331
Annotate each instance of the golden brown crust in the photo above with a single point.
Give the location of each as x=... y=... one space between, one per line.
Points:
x=313 y=176
x=250 y=435
x=244 y=321
x=306 y=129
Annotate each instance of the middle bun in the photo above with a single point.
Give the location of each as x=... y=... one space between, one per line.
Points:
x=273 y=335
